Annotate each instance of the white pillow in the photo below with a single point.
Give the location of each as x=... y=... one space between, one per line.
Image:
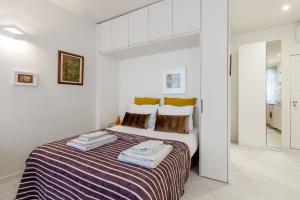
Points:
x=178 y=110
x=145 y=109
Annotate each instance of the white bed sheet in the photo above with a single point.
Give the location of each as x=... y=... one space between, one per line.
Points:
x=191 y=139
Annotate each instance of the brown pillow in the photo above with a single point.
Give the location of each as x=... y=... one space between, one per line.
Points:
x=136 y=120
x=172 y=123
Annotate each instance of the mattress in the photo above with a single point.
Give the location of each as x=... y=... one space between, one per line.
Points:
x=191 y=139
x=57 y=171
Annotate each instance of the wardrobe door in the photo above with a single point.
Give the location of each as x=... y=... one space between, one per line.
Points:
x=160 y=20
x=214 y=140
x=138 y=26
x=252 y=95
x=186 y=17
x=119 y=32
x=104 y=36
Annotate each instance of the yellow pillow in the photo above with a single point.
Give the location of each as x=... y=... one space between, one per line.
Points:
x=179 y=102
x=146 y=101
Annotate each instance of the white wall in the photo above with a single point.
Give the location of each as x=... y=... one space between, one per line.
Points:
x=142 y=76
x=289 y=47
x=31 y=116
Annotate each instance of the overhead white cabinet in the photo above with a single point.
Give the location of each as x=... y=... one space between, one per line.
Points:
x=139 y=26
x=160 y=20
x=104 y=36
x=119 y=32
x=186 y=16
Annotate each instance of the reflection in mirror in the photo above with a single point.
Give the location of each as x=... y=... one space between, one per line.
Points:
x=273 y=86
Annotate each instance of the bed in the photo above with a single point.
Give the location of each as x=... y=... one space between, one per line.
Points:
x=56 y=171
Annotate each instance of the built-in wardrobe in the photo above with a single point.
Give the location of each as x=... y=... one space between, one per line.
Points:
x=167 y=26
x=259 y=95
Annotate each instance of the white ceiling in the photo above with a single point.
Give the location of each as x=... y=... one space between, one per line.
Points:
x=253 y=15
x=99 y=10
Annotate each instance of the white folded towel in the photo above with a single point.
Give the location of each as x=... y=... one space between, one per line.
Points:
x=147 y=161
x=83 y=147
x=92 y=142
x=147 y=148
x=92 y=136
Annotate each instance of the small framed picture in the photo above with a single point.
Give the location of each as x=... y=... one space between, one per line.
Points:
x=70 y=68
x=25 y=78
x=174 y=81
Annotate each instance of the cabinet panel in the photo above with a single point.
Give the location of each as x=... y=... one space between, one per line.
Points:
x=119 y=27
x=252 y=95
x=160 y=20
x=104 y=36
x=138 y=26
x=186 y=16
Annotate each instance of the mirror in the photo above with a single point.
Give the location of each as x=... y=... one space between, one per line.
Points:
x=273 y=93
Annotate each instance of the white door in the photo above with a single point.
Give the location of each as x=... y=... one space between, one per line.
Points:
x=295 y=102
x=252 y=95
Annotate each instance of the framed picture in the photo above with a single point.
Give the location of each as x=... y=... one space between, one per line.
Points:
x=70 y=68
x=174 y=81
x=25 y=78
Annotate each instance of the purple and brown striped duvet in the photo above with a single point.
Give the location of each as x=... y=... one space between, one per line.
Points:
x=56 y=171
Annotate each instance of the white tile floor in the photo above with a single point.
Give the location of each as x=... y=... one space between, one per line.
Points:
x=255 y=175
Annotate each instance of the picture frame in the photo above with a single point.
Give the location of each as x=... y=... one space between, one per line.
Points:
x=70 y=68
x=174 y=81
x=22 y=78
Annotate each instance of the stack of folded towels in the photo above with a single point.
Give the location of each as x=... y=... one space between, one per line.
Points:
x=146 y=154
x=91 y=141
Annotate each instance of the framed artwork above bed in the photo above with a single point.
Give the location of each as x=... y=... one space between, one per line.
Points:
x=174 y=81
x=70 y=68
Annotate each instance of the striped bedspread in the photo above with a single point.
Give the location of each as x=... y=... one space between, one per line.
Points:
x=56 y=171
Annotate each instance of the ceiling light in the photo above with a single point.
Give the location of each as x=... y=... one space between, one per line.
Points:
x=13 y=30
x=286 y=7
x=279 y=54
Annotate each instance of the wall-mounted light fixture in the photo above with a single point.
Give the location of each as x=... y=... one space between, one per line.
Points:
x=12 y=32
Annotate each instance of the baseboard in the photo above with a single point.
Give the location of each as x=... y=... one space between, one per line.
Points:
x=11 y=176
